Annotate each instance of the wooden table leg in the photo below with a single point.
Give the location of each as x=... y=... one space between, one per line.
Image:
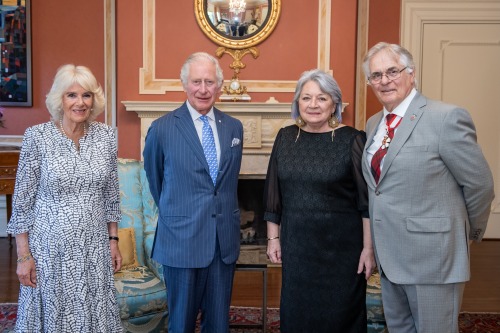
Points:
x=8 y=199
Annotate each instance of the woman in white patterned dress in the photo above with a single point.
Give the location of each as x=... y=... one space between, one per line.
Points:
x=66 y=208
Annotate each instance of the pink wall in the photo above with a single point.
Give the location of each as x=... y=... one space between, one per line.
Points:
x=383 y=27
x=343 y=52
x=289 y=50
x=61 y=32
x=65 y=33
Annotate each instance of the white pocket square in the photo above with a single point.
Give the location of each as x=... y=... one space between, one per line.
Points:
x=235 y=142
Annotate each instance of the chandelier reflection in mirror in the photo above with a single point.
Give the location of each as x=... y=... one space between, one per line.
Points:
x=237 y=6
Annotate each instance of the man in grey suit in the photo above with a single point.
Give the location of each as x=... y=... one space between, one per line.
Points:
x=192 y=159
x=430 y=191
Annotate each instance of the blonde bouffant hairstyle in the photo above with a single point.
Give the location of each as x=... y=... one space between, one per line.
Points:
x=66 y=76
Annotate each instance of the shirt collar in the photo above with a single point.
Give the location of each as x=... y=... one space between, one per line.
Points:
x=196 y=115
x=400 y=110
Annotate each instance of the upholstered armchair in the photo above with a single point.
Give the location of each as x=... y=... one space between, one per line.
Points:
x=141 y=292
x=374 y=308
x=252 y=28
x=223 y=27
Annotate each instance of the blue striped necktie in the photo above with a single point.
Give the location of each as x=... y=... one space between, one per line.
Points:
x=208 y=143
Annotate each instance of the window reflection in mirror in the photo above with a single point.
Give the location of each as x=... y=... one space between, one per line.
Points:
x=237 y=18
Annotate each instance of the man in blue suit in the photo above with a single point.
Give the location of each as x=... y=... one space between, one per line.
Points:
x=198 y=234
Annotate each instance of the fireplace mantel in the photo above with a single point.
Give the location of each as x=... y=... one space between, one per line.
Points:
x=261 y=122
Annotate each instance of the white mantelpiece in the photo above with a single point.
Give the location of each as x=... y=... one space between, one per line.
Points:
x=261 y=122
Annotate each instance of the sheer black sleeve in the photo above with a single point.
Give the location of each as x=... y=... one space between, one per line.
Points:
x=357 y=153
x=272 y=193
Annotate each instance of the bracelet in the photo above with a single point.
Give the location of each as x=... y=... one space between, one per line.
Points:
x=271 y=238
x=114 y=238
x=24 y=258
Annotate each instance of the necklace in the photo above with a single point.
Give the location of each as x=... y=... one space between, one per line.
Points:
x=64 y=132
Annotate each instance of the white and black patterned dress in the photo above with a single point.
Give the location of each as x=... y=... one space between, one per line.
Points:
x=64 y=199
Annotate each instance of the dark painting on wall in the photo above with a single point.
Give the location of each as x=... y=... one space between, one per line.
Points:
x=15 y=41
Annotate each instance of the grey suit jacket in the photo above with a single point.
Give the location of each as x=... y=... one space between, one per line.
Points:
x=434 y=194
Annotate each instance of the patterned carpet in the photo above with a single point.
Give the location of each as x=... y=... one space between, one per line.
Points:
x=253 y=316
x=469 y=322
x=7 y=317
x=242 y=319
x=474 y=322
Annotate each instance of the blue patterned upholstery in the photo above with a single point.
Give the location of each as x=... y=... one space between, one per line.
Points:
x=141 y=292
x=374 y=309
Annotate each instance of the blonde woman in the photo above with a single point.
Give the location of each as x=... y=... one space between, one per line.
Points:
x=65 y=212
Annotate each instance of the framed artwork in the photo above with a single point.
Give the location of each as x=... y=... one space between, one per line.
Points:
x=15 y=42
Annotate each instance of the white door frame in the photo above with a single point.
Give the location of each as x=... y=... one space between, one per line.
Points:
x=416 y=13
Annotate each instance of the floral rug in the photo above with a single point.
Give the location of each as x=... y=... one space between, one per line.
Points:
x=248 y=317
x=242 y=319
x=470 y=322
x=477 y=322
x=8 y=317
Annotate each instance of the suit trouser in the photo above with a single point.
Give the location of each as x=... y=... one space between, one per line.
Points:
x=422 y=308
x=192 y=289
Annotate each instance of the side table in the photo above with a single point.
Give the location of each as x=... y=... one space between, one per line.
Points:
x=257 y=268
x=9 y=158
x=253 y=259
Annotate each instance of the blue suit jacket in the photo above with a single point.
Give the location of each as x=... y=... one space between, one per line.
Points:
x=192 y=212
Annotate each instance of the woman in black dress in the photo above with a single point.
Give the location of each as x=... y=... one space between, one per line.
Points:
x=317 y=212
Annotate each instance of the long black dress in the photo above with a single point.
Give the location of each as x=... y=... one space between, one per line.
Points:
x=316 y=191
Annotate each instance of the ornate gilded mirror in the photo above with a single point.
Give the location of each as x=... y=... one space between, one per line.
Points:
x=237 y=26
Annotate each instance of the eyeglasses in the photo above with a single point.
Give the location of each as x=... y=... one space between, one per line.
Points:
x=392 y=74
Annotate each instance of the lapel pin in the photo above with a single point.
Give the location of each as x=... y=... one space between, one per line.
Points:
x=413 y=117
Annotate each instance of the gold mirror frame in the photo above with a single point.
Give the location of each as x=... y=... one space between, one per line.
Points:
x=241 y=43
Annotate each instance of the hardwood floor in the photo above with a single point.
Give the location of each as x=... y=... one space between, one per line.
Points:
x=482 y=292
x=9 y=284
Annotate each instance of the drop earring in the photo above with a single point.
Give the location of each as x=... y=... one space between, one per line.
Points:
x=333 y=122
x=300 y=123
